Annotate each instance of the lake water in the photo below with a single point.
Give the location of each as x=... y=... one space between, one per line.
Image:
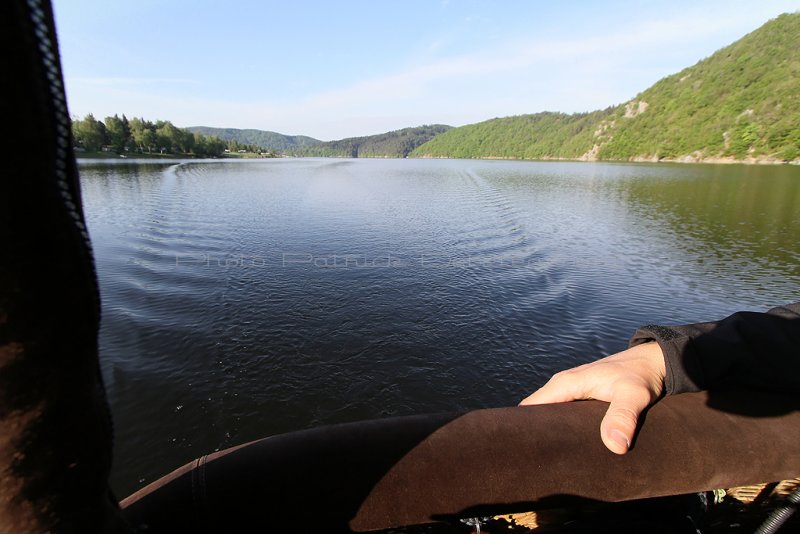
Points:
x=248 y=298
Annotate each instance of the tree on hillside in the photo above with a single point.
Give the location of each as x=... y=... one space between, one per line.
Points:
x=167 y=136
x=118 y=132
x=140 y=135
x=89 y=133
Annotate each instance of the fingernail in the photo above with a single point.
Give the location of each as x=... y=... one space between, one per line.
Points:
x=620 y=439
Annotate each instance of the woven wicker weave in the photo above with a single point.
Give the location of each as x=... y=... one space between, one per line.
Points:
x=749 y=494
x=739 y=509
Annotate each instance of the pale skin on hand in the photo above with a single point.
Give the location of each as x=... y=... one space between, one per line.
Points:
x=630 y=381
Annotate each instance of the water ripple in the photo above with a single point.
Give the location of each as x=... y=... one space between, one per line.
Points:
x=242 y=299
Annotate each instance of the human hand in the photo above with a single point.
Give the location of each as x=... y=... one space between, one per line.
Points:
x=630 y=381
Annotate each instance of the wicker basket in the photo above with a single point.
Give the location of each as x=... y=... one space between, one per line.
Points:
x=734 y=510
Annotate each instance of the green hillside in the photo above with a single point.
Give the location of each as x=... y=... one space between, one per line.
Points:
x=261 y=138
x=396 y=144
x=741 y=103
x=540 y=136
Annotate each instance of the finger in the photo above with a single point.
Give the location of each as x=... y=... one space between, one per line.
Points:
x=563 y=387
x=619 y=424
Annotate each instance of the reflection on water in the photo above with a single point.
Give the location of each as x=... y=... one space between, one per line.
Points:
x=734 y=217
x=243 y=299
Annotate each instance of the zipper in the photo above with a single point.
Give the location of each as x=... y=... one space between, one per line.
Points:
x=58 y=99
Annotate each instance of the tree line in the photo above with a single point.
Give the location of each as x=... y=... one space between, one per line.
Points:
x=137 y=135
x=395 y=144
x=272 y=141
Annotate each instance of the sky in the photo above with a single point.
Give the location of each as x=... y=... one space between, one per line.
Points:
x=335 y=69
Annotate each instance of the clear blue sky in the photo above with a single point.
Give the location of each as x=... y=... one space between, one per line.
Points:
x=334 y=69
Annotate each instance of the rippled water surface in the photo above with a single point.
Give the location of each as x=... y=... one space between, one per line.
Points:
x=243 y=299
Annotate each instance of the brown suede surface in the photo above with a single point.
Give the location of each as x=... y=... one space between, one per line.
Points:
x=536 y=455
x=380 y=474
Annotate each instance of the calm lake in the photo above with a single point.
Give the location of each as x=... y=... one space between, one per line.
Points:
x=248 y=298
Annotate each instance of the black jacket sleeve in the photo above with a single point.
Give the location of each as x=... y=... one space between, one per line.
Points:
x=757 y=350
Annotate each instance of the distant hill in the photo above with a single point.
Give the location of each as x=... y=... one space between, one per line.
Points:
x=540 y=136
x=741 y=103
x=396 y=144
x=261 y=138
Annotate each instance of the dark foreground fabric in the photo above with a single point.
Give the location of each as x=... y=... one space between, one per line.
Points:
x=413 y=470
x=55 y=428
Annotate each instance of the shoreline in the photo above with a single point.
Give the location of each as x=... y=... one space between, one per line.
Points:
x=145 y=155
x=638 y=159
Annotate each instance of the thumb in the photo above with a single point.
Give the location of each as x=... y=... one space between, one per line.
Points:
x=619 y=423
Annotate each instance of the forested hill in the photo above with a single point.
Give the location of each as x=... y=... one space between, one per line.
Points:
x=264 y=139
x=396 y=144
x=742 y=103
